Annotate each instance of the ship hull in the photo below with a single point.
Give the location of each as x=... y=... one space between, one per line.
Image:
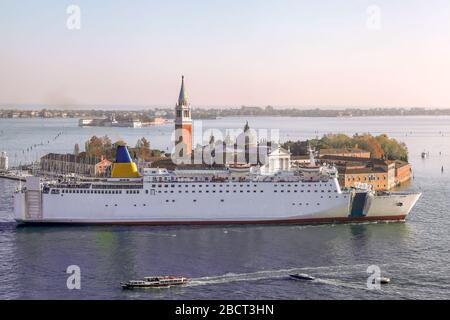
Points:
x=216 y=203
x=309 y=221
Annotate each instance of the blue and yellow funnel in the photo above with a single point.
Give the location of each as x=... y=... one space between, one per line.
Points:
x=123 y=167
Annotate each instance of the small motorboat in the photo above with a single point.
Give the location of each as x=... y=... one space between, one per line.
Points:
x=381 y=280
x=155 y=282
x=302 y=276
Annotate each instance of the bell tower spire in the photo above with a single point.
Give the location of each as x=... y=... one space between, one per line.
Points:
x=182 y=98
x=183 y=123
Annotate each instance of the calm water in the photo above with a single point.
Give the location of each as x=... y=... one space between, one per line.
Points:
x=236 y=262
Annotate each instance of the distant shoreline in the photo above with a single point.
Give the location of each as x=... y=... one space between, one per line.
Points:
x=211 y=114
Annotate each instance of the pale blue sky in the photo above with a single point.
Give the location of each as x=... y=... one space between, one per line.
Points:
x=297 y=53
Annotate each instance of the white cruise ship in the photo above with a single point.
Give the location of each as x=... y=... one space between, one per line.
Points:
x=308 y=195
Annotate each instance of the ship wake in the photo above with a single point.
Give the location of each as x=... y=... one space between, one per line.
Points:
x=327 y=275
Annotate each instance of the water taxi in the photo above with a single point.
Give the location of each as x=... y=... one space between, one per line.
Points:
x=302 y=276
x=155 y=282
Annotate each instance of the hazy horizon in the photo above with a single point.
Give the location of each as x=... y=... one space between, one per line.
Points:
x=35 y=107
x=324 y=54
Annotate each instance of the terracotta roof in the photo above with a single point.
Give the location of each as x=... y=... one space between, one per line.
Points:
x=366 y=170
x=342 y=150
x=400 y=163
x=355 y=159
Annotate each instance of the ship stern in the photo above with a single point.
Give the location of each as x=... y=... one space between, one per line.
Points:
x=19 y=206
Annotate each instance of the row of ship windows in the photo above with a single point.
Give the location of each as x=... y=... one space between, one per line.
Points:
x=179 y=191
x=204 y=179
x=193 y=185
x=221 y=200
x=101 y=191
x=167 y=201
x=365 y=178
x=241 y=191
x=306 y=204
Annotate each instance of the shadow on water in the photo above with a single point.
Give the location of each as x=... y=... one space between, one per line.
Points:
x=363 y=231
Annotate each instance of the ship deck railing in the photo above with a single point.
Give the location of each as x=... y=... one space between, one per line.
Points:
x=140 y=185
x=96 y=186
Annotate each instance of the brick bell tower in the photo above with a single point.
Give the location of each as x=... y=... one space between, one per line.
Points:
x=183 y=123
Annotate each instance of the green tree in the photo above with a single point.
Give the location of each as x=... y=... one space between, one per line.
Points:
x=393 y=149
x=297 y=147
x=94 y=146
x=97 y=147
x=380 y=147
x=143 y=149
x=336 y=141
x=369 y=143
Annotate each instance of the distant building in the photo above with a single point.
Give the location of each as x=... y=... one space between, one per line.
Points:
x=300 y=160
x=243 y=149
x=345 y=152
x=59 y=164
x=156 y=121
x=278 y=159
x=109 y=122
x=103 y=167
x=160 y=162
x=355 y=171
x=378 y=178
x=403 y=172
x=4 y=161
x=88 y=122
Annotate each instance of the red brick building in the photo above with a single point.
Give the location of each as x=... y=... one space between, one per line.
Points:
x=380 y=174
x=345 y=152
x=403 y=172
